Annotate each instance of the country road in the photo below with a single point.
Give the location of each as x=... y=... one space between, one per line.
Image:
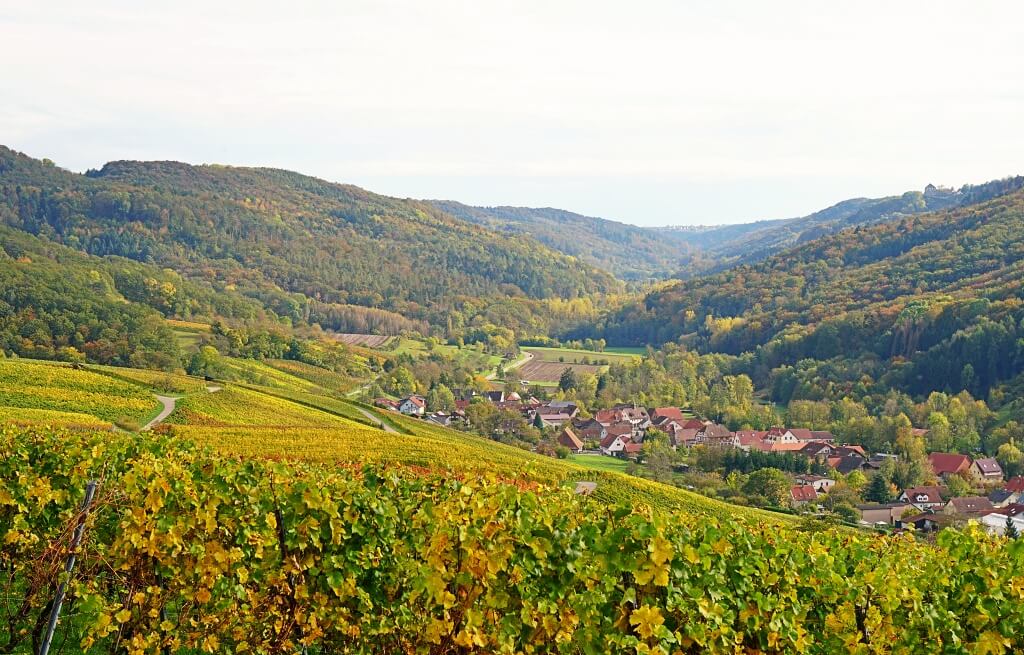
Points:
x=383 y=425
x=168 y=402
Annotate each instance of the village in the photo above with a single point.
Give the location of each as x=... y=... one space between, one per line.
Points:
x=958 y=488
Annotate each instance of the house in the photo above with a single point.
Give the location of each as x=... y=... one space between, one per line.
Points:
x=564 y=407
x=850 y=450
x=613 y=444
x=820 y=483
x=928 y=521
x=814 y=449
x=413 y=406
x=968 y=506
x=996 y=524
x=716 y=435
x=495 y=396
x=386 y=403
x=552 y=419
x=802 y=494
x=441 y=418
x=801 y=434
x=822 y=435
x=947 y=464
x=780 y=435
x=687 y=437
x=589 y=429
x=1015 y=484
x=1003 y=497
x=888 y=513
x=569 y=439
x=632 y=450
x=923 y=498
x=673 y=413
x=846 y=464
x=987 y=470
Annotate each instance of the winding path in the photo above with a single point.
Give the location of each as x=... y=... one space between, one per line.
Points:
x=168 y=402
x=380 y=422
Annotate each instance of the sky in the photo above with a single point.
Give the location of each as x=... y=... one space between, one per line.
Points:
x=652 y=113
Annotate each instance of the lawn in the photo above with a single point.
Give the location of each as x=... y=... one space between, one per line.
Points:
x=574 y=356
x=600 y=462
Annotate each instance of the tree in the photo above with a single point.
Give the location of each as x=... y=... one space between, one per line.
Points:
x=769 y=485
x=1010 y=458
x=857 y=480
x=959 y=487
x=568 y=380
x=879 y=490
x=441 y=398
x=1011 y=528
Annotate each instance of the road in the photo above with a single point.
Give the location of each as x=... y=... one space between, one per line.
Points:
x=383 y=426
x=527 y=356
x=168 y=402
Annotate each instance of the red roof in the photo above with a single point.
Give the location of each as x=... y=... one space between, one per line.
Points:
x=803 y=492
x=570 y=440
x=949 y=463
x=673 y=413
x=633 y=448
x=609 y=440
x=1015 y=484
x=620 y=429
x=803 y=434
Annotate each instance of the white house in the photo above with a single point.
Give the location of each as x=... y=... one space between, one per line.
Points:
x=413 y=406
x=613 y=444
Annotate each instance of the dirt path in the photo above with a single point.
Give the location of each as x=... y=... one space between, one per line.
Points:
x=527 y=356
x=383 y=425
x=168 y=402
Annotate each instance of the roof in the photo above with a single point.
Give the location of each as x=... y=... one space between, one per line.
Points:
x=848 y=464
x=803 y=434
x=1000 y=495
x=568 y=438
x=415 y=400
x=988 y=466
x=947 y=463
x=822 y=435
x=1015 y=483
x=609 y=440
x=849 y=449
x=633 y=448
x=693 y=424
x=931 y=494
x=813 y=448
x=668 y=412
x=715 y=430
x=803 y=492
x=970 y=504
x=619 y=429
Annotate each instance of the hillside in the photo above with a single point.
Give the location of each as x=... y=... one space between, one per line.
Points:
x=305 y=249
x=712 y=249
x=627 y=251
x=922 y=297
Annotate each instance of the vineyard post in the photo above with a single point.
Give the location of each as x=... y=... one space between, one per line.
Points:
x=58 y=600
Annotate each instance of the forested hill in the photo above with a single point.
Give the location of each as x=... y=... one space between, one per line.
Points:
x=628 y=251
x=304 y=247
x=921 y=297
x=713 y=249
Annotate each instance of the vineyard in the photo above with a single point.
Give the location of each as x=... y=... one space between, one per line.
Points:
x=59 y=388
x=186 y=551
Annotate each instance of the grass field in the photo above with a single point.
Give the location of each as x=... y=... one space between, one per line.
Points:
x=573 y=356
x=599 y=462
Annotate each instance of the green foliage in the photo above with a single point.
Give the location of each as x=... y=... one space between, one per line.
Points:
x=187 y=551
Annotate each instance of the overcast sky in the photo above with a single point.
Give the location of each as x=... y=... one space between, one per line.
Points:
x=647 y=112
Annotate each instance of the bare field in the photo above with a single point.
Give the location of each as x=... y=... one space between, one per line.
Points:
x=536 y=370
x=367 y=340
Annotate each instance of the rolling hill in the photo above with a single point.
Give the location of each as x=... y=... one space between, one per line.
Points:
x=921 y=296
x=627 y=251
x=305 y=249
